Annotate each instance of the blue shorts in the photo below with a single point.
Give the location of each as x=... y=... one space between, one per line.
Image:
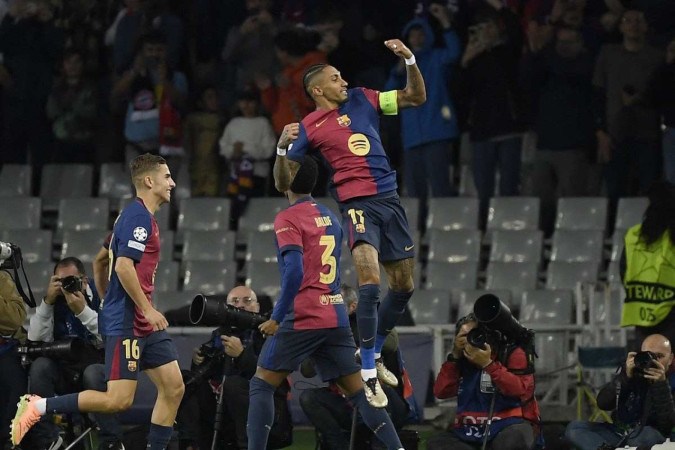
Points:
x=382 y=223
x=125 y=356
x=332 y=350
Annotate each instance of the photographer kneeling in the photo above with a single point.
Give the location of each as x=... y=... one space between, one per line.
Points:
x=641 y=398
x=230 y=357
x=499 y=375
x=68 y=312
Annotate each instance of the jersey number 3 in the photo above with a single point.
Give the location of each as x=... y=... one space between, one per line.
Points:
x=327 y=259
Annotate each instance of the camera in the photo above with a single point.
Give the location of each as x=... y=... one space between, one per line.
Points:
x=71 y=284
x=213 y=310
x=643 y=361
x=10 y=256
x=70 y=349
x=213 y=357
x=496 y=323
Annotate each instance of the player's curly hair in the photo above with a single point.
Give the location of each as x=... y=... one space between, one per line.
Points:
x=305 y=179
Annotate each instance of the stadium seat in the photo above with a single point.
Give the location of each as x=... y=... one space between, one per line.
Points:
x=546 y=307
x=204 y=214
x=38 y=274
x=166 y=301
x=468 y=297
x=454 y=246
x=25 y=213
x=577 y=246
x=261 y=247
x=513 y=213
x=263 y=278
x=166 y=277
x=452 y=213
x=629 y=212
x=609 y=311
x=411 y=206
x=36 y=245
x=566 y=275
x=522 y=246
x=613 y=272
x=515 y=277
x=82 y=244
x=462 y=275
x=115 y=182
x=430 y=307
x=259 y=216
x=210 y=277
x=81 y=214
x=166 y=245
x=581 y=213
x=467 y=187
x=16 y=180
x=65 y=181
x=215 y=245
x=618 y=244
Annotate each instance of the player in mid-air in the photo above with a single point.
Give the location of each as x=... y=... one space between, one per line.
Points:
x=310 y=318
x=345 y=130
x=133 y=330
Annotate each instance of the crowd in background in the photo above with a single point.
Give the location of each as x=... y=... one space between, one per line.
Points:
x=209 y=84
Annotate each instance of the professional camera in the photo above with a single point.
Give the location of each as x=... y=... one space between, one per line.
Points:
x=643 y=361
x=213 y=310
x=10 y=256
x=71 y=284
x=496 y=324
x=213 y=358
x=70 y=349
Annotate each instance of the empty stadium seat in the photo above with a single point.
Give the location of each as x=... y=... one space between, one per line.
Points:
x=581 y=213
x=618 y=244
x=260 y=214
x=608 y=312
x=261 y=247
x=263 y=278
x=215 y=245
x=452 y=213
x=547 y=307
x=38 y=274
x=522 y=246
x=430 y=307
x=613 y=272
x=82 y=244
x=515 y=277
x=166 y=301
x=468 y=297
x=16 y=180
x=210 y=277
x=467 y=187
x=454 y=246
x=36 y=245
x=440 y=275
x=205 y=214
x=166 y=277
x=513 y=213
x=566 y=275
x=115 y=182
x=82 y=214
x=25 y=213
x=629 y=212
x=411 y=206
x=166 y=245
x=65 y=181
x=577 y=245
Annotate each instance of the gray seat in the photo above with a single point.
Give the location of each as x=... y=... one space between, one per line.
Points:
x=452 y=213
x=467 y=187
x=36 y=245
x=552 y=350
x=629 y=212
x=215 y=245
x=546 y=307
x=25 y=213
x=411 y=206
x=83 y=244
x=170 y=300
x=462 y=275
x=566 y=275
x=613 y=272
x=513 y=213
x=430 y=307
x=204 y=214
x=38 y=274
x=16 y=180
x=515 y=277
x=166 y=277
x=609 y=313
x=260 y=213
x=264 y=278
x=577 y=245
x=166 y=245
x=81 y=214
x=210 y=277
x=581 y=213
x=468 y=297
x=65 y=181
x=454 y=246
x=522 y=246
x=261 y=247
x=115 y=182
x=618 y=244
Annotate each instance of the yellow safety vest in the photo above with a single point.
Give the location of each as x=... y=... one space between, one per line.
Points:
x=649 y=279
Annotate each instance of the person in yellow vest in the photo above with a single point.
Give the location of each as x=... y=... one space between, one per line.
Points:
x=648 y=267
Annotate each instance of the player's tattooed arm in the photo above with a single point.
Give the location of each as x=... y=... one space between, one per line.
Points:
x=414 y=93
x=284 y=168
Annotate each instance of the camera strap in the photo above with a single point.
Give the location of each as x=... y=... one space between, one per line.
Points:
x=30 y=301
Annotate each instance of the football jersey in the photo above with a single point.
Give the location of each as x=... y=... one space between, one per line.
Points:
x=135 y=235
x=314 y=230
x=348 y=139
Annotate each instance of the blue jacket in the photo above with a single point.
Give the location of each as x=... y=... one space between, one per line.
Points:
x=435 y=120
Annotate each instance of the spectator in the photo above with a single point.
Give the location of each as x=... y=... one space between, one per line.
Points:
x=72 y=109
x=560 y=75
x=429 y=131
x=123 y=34
x=630 y=63
x=202 y=130
x=641 y=401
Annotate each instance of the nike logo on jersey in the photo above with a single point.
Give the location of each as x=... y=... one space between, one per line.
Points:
x=409 y=247
x=318 y=124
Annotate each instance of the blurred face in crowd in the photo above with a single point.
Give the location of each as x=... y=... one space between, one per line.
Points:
x=210 y=100
x=416 y=38
x=255 y=6
x=248 y=107
x=154 y=53
x=489 y=32
x=243 y=298
x=72 y=66
x=670 y=52
x=633 y=25
x=568 y=43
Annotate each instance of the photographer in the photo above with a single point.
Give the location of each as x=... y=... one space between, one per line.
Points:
x=69 y=310
x=240 y=348
x=641 y=398
x=13 y=379
x=478 y=377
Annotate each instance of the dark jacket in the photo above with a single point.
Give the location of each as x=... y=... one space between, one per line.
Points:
x=245 y=364
x=660 y=93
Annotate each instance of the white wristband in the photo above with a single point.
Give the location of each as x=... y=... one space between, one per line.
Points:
x=410 y=61
x=281 y=151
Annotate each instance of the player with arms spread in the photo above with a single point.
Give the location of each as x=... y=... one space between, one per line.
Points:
x=133 y=330
x=310 y=318
x=345 y=130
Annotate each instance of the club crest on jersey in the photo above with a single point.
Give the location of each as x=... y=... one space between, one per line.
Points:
x=140 y=234
x=344 y=120
x=132 y=366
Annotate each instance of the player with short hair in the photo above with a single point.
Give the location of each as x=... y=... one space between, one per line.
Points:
x=133 y=330
x=344 y=128
x=309 y=318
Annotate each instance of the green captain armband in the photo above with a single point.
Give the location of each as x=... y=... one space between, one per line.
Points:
x=389 y=103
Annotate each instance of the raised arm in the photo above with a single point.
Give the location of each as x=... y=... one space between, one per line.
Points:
x=284 y=168
x=414 y=93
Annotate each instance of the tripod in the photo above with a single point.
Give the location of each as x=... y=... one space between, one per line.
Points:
x=218 y=420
